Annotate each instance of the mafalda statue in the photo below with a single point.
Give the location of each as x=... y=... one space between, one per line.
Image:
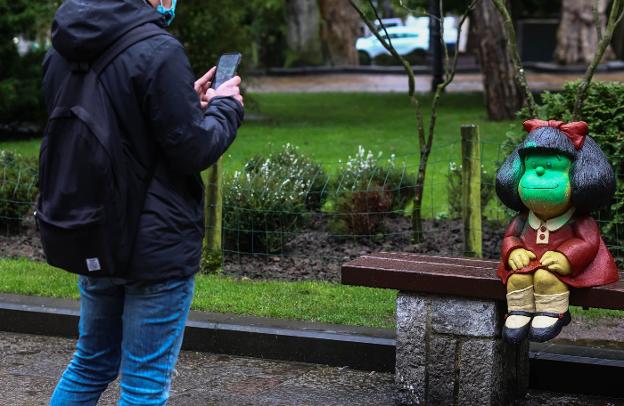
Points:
x=554 y=179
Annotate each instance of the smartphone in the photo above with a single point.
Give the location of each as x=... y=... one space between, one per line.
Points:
x=226 y=68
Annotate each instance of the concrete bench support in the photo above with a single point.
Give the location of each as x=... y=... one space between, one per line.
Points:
x=449 y=321
x=449 y=352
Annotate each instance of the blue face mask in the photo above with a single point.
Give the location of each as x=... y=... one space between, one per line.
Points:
x=169 y=14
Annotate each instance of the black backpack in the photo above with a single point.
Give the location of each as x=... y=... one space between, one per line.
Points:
x=85 y=217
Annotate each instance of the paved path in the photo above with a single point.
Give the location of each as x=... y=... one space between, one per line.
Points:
x=465 y=82
x=30 y=366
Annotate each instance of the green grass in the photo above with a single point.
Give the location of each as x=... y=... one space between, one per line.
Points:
x=311 y=301
x=308 y=301
x=592 y=313
x=330 y=126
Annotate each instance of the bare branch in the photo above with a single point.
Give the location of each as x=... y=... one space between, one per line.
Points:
x=620 y=12
x=446 y=52
x=424 y=142
x=452 y=69
x=419 y=11
x=615 y=16
x=597 y=20
x=387 y=45
x=383 y=26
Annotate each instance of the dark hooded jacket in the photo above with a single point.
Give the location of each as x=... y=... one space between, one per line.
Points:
x=151 y=89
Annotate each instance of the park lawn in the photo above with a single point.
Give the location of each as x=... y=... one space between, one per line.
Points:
x=309 y=301
x=330 y=126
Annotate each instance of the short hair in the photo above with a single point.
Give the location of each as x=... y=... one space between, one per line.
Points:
x=591 y=175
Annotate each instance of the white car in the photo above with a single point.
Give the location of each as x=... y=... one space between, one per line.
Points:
x=405 y=39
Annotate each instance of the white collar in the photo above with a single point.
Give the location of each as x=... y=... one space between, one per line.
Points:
x=552 y=224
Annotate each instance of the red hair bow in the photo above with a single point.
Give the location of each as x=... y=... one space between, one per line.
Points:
x=575 y=131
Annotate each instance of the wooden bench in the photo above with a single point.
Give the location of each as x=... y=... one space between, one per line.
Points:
x=450 y=313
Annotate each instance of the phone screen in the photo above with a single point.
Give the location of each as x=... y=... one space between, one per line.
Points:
x=228 y=64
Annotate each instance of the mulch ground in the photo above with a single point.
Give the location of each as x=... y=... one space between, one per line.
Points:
x=315 y=254
x=23 y=242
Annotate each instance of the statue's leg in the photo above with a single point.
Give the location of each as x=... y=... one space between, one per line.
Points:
x=520 y=307
x=551 y=306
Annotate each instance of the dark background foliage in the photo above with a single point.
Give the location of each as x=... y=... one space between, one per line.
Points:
x=254 y=27
x=20 y=98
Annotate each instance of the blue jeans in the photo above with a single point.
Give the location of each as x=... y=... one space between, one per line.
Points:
x=132 y=328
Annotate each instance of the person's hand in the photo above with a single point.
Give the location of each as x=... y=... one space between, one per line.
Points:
x=231 y=88
x=202 y=85
x=519 y=258
x=556 y=262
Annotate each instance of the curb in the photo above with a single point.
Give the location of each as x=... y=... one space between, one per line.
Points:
x=553 y=367
x=537 y=67
x=287 y=340
x=362 y=69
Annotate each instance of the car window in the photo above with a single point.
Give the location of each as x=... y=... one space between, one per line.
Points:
x=404 y=35
x=398 y=35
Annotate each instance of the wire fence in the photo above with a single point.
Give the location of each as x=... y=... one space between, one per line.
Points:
x=285 y=216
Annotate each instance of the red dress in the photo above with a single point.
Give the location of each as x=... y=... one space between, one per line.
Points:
x=578 y=239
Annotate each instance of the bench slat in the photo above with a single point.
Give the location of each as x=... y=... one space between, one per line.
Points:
x=468 y=277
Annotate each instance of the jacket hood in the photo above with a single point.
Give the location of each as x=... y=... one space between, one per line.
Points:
x=83 y=29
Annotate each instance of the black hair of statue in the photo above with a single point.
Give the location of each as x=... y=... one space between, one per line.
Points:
x=591 y=176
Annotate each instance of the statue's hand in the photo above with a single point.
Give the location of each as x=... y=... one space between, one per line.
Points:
x=556 y=262
x=519 y=258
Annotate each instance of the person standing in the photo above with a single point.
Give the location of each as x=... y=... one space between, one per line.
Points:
x=173 y=128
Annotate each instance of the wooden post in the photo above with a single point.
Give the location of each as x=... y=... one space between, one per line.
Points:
x=471 y=190
x=212 y=257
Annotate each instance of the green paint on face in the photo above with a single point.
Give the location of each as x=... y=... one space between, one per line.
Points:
x=545 y=185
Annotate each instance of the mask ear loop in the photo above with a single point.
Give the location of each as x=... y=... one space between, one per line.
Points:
x=168 y=14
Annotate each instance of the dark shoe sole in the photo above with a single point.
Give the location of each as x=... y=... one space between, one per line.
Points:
x=541 y=335
x=516 y=335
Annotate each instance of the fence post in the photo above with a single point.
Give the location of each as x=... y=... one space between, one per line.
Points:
x=212 y=257
x=471 y=190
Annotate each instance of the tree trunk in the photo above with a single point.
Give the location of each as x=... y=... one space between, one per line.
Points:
x=339 y=31
x=503 y=95
x=577 y=38
x=304 y=44
x=435 y=45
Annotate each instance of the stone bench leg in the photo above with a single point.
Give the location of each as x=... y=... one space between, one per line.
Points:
x=449 y=351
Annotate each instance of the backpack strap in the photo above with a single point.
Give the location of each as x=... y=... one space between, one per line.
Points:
x=124 y=42
x=128 y=39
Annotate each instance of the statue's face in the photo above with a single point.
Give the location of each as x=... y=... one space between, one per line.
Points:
x=545 y=185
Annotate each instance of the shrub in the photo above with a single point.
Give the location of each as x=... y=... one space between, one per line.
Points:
x=20 y=75
x=21 y=102
x=604 y=112
x=454 y=187
x=361 y=212
x=367 y=191
x=264 y=206
x=291 y=162
x=256 y=28
x=18 y=188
